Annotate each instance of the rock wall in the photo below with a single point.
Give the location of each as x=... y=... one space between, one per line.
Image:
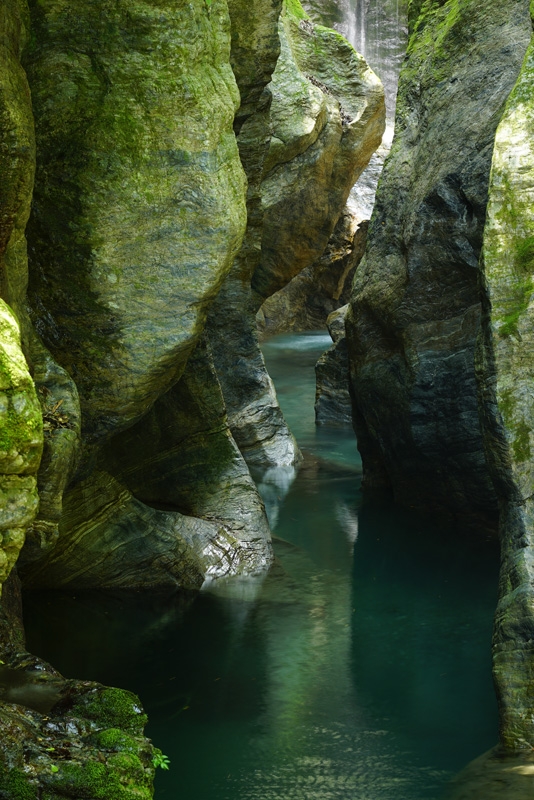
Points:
x=333 y=405
x=415 y=310
x=327 y=118
x=506 y=375
x=134 y=109
x=320 y=289
x=21 y=426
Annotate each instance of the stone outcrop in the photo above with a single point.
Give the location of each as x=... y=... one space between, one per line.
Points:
x=21 y=427
x=320 y=289
x=134 y=110
x=123 y=270
x=170 y=503
x=506 y=373
x=327 y=117
x=333 y=405
x=65 y=738
x=415 y=310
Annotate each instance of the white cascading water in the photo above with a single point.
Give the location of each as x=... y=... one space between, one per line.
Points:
x=378 y=30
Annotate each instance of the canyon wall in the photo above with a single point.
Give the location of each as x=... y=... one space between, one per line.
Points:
x=416 y=307
x=161 y=182
x=506 y=372
x=439 y=322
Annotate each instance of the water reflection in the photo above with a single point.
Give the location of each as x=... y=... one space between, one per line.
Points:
x=273 y=485
x=359 y=669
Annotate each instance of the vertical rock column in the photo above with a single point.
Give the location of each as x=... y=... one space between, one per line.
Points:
x=260 y=432
x=139 y=206
x=327 y=118
x=139 y=211
x=506 y=369
x=415 y=310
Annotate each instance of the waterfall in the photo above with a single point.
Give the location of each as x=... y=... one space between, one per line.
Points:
x=378 y=30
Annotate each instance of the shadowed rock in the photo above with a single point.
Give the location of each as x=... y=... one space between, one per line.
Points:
x=415 y=310
x=506 y=374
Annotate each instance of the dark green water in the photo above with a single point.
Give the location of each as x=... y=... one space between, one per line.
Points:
x=358 y=670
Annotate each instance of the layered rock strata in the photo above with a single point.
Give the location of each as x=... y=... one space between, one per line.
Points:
x=327 y=117
x=415 y=310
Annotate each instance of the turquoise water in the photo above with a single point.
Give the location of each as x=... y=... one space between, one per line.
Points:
x=358 y=670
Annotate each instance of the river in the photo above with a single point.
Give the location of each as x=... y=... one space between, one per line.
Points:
x=359 y=669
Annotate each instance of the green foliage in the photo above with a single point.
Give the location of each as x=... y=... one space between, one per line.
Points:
x=160 y=760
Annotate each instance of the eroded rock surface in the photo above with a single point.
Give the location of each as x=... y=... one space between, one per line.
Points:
x=506 y=373
x=320 y=289
x=327 y=118
x=333 y=404
x=134 y=107
x=415 y=311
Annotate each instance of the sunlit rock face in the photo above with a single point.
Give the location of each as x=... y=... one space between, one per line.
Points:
x=139 y=199
x=320 y=289
x=506 y=375
x=415 y=310
x=138 y=212
x=327 y=118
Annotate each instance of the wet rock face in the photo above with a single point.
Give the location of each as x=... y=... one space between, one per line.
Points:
x=333 y=405
x=415 y=310
x=506 y=376
x=134 y=107
x=326 y=119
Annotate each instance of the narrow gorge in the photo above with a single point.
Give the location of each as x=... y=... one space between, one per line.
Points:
x=197 y=571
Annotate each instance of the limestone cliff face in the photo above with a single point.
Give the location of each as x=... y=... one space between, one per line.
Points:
x=327 y=118
x=415 y=310
x=506 y=374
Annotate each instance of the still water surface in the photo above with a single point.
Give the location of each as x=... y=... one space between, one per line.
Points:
x=358 y=670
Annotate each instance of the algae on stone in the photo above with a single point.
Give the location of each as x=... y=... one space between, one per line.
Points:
x=21 y=444
x=506 y=373
x=139 y=200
